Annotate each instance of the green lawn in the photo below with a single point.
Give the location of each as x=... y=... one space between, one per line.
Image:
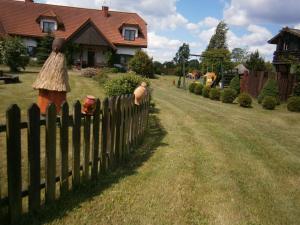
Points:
x=202 y=162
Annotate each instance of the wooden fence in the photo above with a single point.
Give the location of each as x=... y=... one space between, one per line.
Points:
x=115 y=129
x=254 y=82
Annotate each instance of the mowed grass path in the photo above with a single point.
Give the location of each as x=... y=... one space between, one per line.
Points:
x=202 y=162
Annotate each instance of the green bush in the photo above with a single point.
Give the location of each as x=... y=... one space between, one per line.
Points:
x=293 y=104
x=142 y=64
x=296 y=91
x=198 y=89
x=124 y=84
x=205 y=91
x=44 y=48
x=270 y=89
x=235 y=84
x=215 y=94
x=269 y=102
x=13 y=53
x=192 y=87
x=245 y=100
x=228 y=95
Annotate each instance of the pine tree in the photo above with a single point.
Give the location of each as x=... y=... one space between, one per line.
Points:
x=44 y=48
x=218 y=40
x=255 y=62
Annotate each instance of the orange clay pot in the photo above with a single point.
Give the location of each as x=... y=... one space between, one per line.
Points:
x=139 y=94
x=46 y=97
x=89 y=105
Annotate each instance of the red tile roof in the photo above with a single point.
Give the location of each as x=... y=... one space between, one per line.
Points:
x=20 y=18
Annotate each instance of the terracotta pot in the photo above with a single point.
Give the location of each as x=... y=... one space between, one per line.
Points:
x=89 y=105
x=139 y=93
x=46 y=97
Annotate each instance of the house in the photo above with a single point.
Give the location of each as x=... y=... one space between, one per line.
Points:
x=288 y=47
x=96 y=31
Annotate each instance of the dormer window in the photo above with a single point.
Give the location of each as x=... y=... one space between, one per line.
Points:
x=130 y=33
x=49 y=26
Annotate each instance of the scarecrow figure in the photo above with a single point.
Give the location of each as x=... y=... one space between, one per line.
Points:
x=53 y=81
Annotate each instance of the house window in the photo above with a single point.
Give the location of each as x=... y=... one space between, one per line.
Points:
x=129 y=35
x=31 y=51
x=48 y=27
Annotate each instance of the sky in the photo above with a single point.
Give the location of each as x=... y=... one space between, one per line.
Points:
x=174 y=22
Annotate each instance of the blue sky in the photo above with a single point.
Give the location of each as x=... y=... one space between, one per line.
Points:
x=172 y=22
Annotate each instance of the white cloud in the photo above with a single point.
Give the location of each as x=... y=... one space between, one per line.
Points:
x=207 y=22
x=245 y=12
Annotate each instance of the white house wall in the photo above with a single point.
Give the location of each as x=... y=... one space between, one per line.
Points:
x=29 y=42
x=127 y=50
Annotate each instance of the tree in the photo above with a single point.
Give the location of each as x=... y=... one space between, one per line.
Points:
x=218 y=40
x=158 y=67
x=183 y=54
x=239 y=55
x=215 y=58
x=255 y=62
x=270 y=89
x=13 y=53
x=44 y=48
x=142 y=64
x=193 y=65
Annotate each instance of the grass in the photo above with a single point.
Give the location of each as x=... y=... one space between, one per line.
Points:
x=202 y=162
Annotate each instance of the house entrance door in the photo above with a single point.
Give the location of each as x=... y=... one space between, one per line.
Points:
x=91 y=59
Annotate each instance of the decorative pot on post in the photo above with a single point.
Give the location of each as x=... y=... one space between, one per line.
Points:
x=53 y=80
x=139 y=93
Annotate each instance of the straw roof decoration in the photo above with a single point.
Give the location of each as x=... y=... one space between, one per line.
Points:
x=54 y=74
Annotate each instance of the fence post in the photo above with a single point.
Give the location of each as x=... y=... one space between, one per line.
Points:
x=96 y=133
x=105 y=115
x=64 y=148
x=50 y=153
x=34 y=158
x=118 y=130
x=76 y=143
x=112 y=131
x=13 y=135
x=86 y=148
x=122 y=128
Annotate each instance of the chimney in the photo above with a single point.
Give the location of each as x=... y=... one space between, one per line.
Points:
x=105 y=11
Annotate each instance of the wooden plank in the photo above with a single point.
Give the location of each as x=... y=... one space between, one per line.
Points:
x=118 y=115
x=13 y=135
x=104 y=136
x=112 y=131
x=64 y=149
x=34 y=158
x=96 y=134
x=125 y=127
x=50 y=153
x=86 y=147
x=76 y=143
x=122 y=129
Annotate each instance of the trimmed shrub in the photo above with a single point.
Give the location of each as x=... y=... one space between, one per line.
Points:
x=205 y=91
x=296 y=91
x=228 y=95
x=142 y=64
x=215 y=94
x=192 y=87
x=293 y=104
x=124 y=84
x=235 y=84
x=270 y=89
x=245 y=100
x=269 y=102
x=198 y=89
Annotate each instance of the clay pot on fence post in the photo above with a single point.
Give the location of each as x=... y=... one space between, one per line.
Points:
x=139 y=93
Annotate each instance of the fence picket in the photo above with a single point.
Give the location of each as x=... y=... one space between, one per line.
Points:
x=34 y=158
x=112 y=131
x=50 y=153
x=86 y=148
x=76 y=143
x=64 y=149
x=105 y=115
x=13 y=135
x=96 y=133
x=118 y=130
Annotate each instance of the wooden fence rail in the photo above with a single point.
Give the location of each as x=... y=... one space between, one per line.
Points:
x=115 y=129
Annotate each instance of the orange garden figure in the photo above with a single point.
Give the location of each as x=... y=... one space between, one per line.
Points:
x=53 y=81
